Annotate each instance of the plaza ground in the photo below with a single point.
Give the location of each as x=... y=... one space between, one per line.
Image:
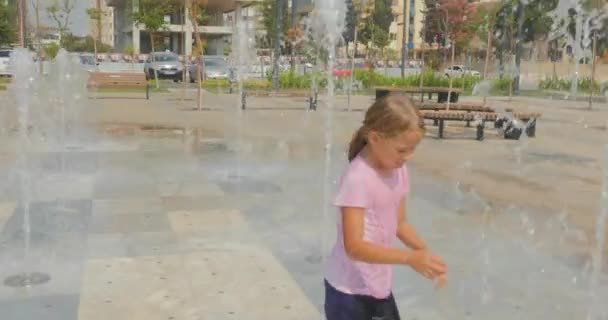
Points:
x=167 y=212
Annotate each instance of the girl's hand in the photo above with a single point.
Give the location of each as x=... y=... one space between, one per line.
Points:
x=426 y=264
x=440 y=281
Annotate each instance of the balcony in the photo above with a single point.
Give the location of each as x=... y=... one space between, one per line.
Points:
x=212 y=5
x=217 y=30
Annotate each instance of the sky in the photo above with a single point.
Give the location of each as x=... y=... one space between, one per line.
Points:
x=79 y=25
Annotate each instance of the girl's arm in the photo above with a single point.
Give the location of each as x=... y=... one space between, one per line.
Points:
x=361 y=250
x=405 y=231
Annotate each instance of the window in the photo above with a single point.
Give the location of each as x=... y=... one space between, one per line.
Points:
x=165 y=58
x=393 y=36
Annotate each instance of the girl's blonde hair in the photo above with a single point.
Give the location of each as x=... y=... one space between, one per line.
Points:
x=388 y=116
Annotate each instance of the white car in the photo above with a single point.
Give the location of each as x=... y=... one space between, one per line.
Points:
x=5 y=57
x=459 y=71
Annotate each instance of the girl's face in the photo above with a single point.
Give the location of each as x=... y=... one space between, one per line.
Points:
x=393 y=152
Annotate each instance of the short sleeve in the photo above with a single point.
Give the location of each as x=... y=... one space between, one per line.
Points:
x=405 y=180
x=352 y=191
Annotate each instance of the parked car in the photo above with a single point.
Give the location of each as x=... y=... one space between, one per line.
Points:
x=215 y=67
x=5 y=58
x=166 y=64
x=459 y=70
x=87 y=60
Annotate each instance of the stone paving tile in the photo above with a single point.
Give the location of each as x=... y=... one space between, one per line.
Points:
x=6 y=211
x=132 y=244
x=202 y=285
x=186 y=222
x=127 y=206
x=124 y=223
x=54 y=307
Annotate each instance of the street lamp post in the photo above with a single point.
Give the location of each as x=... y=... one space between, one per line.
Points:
x=277 y=48
x=403 y=41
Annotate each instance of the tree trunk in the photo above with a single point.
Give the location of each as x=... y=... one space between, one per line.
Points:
x=422 y=72
x=352 y=68
x=185 y=63
x=95 y=52
x=594 y=49
x=199 y=45
x=451 y=77
x=519 y=43
x=154 y=60
x=464 y=63
x=293 y=57
x=487 y=62
x=38 y=41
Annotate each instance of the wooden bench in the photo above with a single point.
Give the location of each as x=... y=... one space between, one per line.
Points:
x=470 y=107
x=442 y=93
x=123 y=80
x=439 y=118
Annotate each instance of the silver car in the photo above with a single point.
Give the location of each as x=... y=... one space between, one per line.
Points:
x=166 y=64
x=215 y=67
x=5 y=58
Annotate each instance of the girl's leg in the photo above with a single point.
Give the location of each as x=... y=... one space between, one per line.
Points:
x=342 y=306
x=386 y=309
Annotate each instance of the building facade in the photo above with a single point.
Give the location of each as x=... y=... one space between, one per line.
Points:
x=413 y=18
x=107 y=23
x=217 y=32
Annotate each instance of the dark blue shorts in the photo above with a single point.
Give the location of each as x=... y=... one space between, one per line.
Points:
x=342 y=306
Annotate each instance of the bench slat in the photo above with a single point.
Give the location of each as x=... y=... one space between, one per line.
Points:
x=419 y=90
x=114 y=79
x=467 y=116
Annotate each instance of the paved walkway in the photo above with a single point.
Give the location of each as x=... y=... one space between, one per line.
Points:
x=172 y=214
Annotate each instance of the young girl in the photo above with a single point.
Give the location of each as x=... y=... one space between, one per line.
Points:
x=371 y=198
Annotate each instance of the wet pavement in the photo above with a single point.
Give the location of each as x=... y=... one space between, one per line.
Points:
x=174 y=224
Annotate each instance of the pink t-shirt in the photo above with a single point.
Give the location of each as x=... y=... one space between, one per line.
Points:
x=361 y=186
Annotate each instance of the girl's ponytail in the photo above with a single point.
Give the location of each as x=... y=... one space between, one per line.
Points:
x=356 y=144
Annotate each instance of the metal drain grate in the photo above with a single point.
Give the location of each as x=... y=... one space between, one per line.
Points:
x=27 y=279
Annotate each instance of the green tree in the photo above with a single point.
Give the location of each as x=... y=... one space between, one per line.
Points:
x=519 y=22
x=51 y=50
x=95 y=15
x=432 y=30
x=383 y=14
x=381 y=39
x=7 y=26
x=60 y=11
x=151 y=14
x=350 y=22
x=267 y=7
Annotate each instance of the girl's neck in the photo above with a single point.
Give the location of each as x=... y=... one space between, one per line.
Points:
x=374 y=162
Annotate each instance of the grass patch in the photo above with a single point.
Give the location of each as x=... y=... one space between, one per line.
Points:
x=5 y=80
x=2 y=87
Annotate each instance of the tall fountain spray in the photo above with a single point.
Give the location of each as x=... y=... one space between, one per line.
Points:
x=25 y=73
x=595 y=312
x=327 y=25
x=46 y=112
x=585 y=23
x=244 y=47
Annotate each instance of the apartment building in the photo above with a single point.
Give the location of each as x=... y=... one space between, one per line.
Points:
x=217 y=32
x=106 y=23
